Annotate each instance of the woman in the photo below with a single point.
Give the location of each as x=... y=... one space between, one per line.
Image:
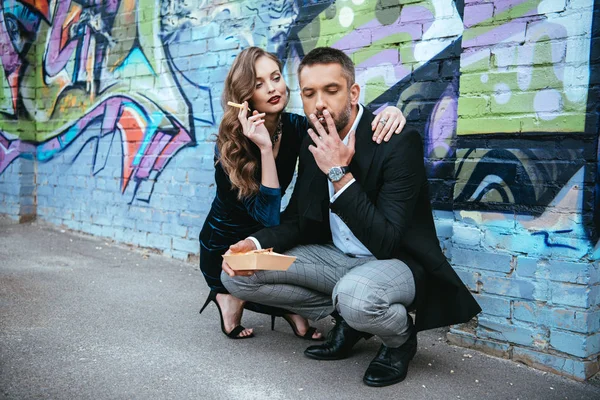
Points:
x=255 y=159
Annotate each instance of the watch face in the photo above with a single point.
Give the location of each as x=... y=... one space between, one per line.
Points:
x=335 y=174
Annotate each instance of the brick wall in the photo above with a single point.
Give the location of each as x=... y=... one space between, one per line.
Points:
x=17 y=193
x=106 y=116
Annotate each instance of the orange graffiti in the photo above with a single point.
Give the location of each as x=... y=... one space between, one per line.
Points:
x=13 y=82
x=132 y=133
x=71 y=19
x=40 y=6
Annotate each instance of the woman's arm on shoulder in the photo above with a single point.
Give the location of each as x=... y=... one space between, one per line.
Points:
x=388 y=122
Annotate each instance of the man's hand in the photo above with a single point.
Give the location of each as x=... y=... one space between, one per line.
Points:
x=242 y=246
x=329 y=150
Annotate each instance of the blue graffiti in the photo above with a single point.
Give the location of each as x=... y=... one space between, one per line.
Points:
x=547 y=242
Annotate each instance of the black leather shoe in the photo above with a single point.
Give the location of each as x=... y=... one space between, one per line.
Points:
x=339 y=343
x=390 y=365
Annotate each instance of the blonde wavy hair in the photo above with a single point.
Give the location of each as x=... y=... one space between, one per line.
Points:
x=239 y=157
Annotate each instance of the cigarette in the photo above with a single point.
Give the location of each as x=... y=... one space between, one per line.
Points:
x=232 y=104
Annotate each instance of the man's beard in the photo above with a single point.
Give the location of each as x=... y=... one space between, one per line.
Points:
x=340 y=121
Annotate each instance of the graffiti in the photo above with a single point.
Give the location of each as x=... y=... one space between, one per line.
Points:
x=521 y=86
x=512 y=176
x=97 y=63
x=499 y=89
x=539 y=77
x=536 y=82
x=227 y=27
x=547 y=242
x=495 y=88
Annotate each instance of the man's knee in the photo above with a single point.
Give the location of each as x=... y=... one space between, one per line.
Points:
x=359 y=303
x=236 y=284
x=227 y=281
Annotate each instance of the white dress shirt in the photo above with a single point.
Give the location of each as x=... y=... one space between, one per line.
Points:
x=343 y=238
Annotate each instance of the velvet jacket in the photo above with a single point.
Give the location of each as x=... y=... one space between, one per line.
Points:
x=230 y=219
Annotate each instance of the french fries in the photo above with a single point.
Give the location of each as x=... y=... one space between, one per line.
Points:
x=269 y=250
x=232 y=104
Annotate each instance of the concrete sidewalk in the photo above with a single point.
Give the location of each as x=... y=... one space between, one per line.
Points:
x=83 y=318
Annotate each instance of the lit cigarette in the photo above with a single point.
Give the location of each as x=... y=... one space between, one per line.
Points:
x=232 y=104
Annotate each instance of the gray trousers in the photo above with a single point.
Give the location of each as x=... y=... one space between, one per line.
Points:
x=371 y=295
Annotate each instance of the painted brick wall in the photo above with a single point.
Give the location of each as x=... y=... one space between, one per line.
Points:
x=107 y=113
x=17 y=194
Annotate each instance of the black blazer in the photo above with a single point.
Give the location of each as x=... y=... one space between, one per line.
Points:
x=388 y=210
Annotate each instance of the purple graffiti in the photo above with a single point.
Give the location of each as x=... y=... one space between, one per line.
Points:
x=87 y=41
x=441 y=126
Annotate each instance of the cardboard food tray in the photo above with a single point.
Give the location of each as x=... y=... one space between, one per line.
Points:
x=259 y=260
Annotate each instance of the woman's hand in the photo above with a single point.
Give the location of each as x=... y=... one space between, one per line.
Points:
x=254 y=128
x=386 y=123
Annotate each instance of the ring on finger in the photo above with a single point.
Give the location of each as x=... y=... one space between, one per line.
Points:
x=382 y=121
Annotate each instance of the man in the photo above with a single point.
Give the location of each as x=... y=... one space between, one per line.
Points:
x=365 y=241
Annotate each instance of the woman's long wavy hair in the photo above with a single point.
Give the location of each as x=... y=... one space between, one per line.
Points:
x=239 y=157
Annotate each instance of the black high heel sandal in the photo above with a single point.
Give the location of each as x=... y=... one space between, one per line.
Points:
x=212 y=296
x=308 y=335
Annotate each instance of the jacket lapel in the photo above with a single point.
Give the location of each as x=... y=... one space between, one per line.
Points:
x=313 y=186
x=317 y=192
x=364 y=150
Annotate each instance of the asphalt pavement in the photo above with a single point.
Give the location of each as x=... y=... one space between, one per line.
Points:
x=85 y=318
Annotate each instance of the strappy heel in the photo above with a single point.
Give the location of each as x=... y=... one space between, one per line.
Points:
x=308 y=335
x=212 y=297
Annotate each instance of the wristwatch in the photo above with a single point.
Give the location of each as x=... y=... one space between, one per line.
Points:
x=337 y=173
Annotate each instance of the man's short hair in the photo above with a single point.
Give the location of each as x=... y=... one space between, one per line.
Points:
x=329 y=55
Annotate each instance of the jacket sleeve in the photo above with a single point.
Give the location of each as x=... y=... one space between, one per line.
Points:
x=287 y=234
x=265 y=206
x=381 y=226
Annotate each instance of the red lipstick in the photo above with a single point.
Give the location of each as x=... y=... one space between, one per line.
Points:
x=274 y=99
